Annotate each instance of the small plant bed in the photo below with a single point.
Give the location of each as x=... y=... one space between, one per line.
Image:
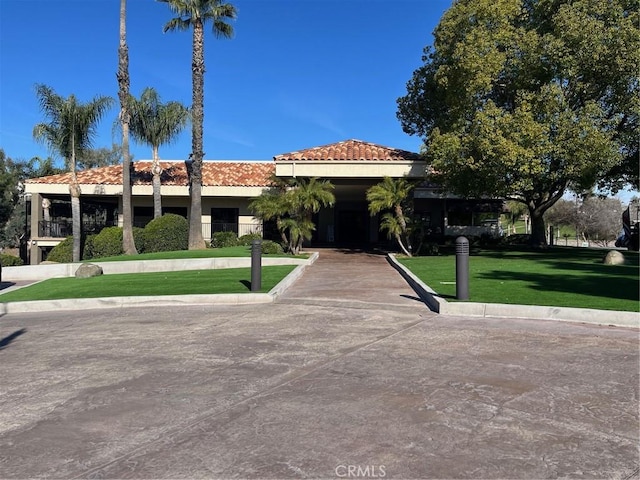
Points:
x=186 y=282
x=238 y=251
x=561 y=277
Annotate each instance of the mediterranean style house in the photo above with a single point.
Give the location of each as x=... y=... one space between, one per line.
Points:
x=352 y=166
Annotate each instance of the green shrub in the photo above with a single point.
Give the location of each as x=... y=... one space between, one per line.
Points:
x=7 y=260
x=138 y=238
x=167 y=233
x=489 y=241
x=87 y=249
x=517 y=239
x=224 y=239
x=107 y=243
x=63 y=252
x=429 y=249
x=269 y=247
x=247 y=240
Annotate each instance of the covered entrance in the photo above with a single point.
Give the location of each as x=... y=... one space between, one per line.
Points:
x=352 y=166
x=352 y=225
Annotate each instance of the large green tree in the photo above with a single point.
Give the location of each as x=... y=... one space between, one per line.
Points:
x=100 y=157
x=69 y=131
x=11 y=173
x=12 y=202
x=524 y=99
x=155 y=123
x=128 y=242
x=193 y=14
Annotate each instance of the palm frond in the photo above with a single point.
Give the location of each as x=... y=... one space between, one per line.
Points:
x=388 y=194
x=154 y=123
x=310 y=195
x=188 y=11
x=178 y=24
x=71 y=125
x=391 y=225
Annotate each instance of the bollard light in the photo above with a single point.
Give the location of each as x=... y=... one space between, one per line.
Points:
x=462 y=268
x=256 y=265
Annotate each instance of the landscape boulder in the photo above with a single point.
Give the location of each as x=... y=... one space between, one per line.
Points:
x=613 y=257
x=87 y=270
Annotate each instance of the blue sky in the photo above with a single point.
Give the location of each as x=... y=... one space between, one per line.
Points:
x=297 y=74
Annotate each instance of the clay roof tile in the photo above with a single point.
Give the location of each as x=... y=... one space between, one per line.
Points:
x=348 y=150
x=233 y=174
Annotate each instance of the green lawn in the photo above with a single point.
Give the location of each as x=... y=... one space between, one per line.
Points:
x=563 y=277
x=232 y=280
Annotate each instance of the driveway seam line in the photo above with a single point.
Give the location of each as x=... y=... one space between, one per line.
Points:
x=258 y=395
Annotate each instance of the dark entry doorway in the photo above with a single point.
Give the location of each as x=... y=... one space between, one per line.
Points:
x=352 y=227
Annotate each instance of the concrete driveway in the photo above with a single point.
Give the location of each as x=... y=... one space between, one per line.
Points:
x=327 y=386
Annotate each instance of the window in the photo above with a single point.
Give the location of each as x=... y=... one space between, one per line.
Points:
x=224 y=220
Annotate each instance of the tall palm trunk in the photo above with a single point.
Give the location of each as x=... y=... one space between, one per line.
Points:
x=128 y=243
x=76 y=213
x=195 y=180
x=156 y=170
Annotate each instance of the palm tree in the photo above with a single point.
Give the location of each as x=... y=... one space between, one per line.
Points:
x=390 y=194
x=390 y=223
x=193 y=14
x=128 y=243
x=292 y=203
x=308 y=197
x=155 y=124
x=272 y=205
x=299 y=229
x=70 y=131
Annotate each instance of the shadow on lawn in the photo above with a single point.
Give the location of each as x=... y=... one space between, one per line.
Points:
x=607 y=286
x=580 y=260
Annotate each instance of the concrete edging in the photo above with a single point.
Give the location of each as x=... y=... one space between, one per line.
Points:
x=60 y=270
x=166 y=300
x=496 y=310
x=289 y=280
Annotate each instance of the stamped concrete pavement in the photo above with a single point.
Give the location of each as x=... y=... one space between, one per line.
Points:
x=353 y=278
x=331 y=388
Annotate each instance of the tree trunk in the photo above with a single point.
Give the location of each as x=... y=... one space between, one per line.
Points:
x=76 y=218
x=403 y=224
x=76 y=212
x=196 y=241
x=538 y=237
x=156 y=170
x=402 y=247
x=537 y=208
x=128 y=243
x=283 y=235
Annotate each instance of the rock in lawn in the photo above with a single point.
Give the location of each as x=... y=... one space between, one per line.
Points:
x=613 y=257
x=88 y=270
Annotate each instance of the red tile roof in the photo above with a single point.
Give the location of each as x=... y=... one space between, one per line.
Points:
x=227 y=174
x=349 y=150
x=236 y=174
